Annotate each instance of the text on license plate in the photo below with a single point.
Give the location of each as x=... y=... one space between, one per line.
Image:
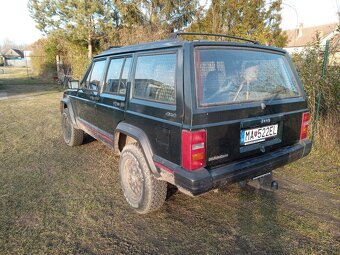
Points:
x=259 y=134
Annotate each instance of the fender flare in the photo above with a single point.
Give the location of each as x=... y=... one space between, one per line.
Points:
x=140 y=136
x=66 y=101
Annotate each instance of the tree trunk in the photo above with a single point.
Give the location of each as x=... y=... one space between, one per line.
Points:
x=89 y=48
x=154 y=17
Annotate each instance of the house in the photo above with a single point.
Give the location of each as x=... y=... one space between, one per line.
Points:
x=16 y=57
x=302 y=37
x=14 y=54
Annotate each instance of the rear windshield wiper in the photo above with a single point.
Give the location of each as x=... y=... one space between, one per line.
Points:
x=277 y=92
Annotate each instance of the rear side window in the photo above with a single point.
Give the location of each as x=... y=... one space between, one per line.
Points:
x=228 y=76
x=155 y=77
x=117 y=75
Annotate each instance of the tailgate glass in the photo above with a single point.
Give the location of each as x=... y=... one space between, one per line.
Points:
x=232 y=75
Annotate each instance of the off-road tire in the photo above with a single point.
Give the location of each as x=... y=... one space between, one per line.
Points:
x=72 y=136
x=141 y=189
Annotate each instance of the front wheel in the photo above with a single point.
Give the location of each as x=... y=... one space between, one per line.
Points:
x=72 y=136
x=141 y=189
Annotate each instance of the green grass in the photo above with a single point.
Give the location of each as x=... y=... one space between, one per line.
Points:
x=60 y=200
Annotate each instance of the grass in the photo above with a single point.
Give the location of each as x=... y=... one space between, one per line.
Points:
x=60 y=200
x=14 y=83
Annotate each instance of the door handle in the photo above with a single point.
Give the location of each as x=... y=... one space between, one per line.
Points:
x=95 y=98
x=116 y=104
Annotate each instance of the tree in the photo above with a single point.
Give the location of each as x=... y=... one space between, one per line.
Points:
x=160 y=15
x=254 y=19
x=84 y=21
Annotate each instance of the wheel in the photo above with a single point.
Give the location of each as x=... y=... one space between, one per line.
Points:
x=72 y=136
x=141 y=189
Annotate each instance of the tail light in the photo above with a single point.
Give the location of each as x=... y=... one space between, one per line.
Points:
x=193 y=149
x=304 y=125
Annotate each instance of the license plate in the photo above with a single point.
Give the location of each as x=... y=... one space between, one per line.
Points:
x=260 y=134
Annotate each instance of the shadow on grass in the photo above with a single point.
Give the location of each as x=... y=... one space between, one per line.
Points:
x=88 y=139
x=258 y=222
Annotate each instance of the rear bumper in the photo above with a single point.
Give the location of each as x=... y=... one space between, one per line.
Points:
x=201 y=181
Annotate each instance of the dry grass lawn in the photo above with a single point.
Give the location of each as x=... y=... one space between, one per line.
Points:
x=60 y=200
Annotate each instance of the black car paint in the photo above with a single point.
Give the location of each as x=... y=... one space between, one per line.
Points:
x=100 y=113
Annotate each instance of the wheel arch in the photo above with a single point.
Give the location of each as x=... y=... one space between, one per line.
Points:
x=66 y=103
x=141 y=138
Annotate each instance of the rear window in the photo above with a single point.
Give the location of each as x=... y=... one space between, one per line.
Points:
x=231 y=76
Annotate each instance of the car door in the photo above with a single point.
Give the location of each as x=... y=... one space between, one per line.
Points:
x=112 y=99
x=155 y=103
x=87 y=97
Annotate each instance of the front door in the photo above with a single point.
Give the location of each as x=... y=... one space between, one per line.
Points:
x=87 y=97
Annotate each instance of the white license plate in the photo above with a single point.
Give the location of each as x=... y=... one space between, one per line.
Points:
x=260 y=134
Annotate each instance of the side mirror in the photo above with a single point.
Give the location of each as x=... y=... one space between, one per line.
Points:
x=74 y=84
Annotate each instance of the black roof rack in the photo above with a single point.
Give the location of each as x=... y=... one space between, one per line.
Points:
x=112 y=47
x=176 y=34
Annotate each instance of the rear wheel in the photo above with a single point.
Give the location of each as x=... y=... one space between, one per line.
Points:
x=141 y=189
x=72 y=136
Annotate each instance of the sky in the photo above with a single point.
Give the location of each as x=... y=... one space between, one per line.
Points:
x=17 y=26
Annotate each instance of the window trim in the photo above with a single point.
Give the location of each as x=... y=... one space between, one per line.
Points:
x=102 y=90
x=153 y=53
x=197 y=71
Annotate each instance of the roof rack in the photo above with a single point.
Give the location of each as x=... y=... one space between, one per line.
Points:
x=113 y=47
x=176 y=34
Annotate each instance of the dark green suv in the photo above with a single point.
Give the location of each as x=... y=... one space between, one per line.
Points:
x=196 y=114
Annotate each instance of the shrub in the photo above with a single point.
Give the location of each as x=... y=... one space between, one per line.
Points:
x=309 y=64
x=43 y=62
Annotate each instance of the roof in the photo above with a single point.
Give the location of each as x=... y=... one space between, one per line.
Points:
x=177 y=43
x=303 y=36
x=141 y=47
x=14 y=53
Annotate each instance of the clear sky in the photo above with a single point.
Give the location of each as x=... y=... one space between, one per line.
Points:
x=18 y=26
x=309 y=12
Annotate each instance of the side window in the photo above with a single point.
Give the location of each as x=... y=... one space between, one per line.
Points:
x=86 y=81
x=155 y=77
x=117 y=75
x=125 y=76
x=96 y=75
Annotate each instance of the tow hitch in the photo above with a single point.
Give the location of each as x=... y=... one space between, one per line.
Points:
x=264 y=182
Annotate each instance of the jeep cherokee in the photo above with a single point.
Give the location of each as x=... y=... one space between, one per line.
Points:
x=196 y=114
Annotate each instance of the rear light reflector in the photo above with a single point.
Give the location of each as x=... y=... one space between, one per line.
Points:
x=304 y=125
x=193 y=149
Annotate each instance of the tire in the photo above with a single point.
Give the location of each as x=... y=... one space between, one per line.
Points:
x=141 y=189
x=72 y=136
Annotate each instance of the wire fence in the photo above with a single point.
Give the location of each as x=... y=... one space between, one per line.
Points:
x=23 y=68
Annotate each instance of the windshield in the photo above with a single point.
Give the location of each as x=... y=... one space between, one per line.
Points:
x=231 y=76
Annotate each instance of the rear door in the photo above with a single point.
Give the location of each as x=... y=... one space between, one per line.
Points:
x=249 y=101
x=112 y=100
